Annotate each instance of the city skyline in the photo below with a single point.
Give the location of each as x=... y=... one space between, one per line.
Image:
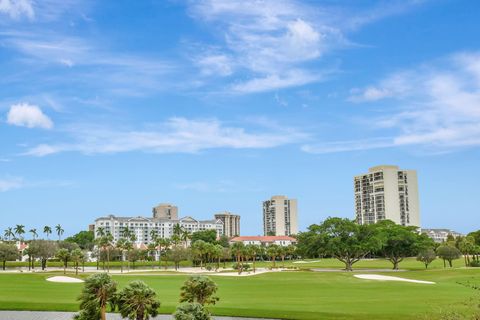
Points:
x=110 y=108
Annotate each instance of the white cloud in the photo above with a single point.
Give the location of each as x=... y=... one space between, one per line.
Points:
x=17 y=8
x=436 y=106
x=177 y=135
x=28 y=115
x=268 y=41
x=8 y=184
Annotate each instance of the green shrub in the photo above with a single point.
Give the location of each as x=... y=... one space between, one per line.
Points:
x=245 y=266
x=475 y=264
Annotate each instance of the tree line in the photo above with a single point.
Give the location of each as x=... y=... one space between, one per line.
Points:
x=349 y=242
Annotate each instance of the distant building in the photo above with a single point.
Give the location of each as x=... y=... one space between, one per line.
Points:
x=280 y=216
x=440 y=235
x=387 y=192
x=231 y=223
x=91 y=227
x=165 y=211
x=265 y=240
x=143 y=227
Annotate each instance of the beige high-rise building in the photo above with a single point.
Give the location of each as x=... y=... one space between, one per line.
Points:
x=165 y=211
x=280 y=216
x=387 y=192
x=231 y=223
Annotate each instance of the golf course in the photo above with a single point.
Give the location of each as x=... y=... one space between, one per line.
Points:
x=291 y=294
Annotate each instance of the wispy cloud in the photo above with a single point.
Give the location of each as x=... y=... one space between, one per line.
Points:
x=10 y=183
x=273 y=45
x=28 y=115
x=436 y=105
x=16 y=9
x=177 y=135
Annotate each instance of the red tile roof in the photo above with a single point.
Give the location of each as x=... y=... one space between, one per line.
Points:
x=263 y=238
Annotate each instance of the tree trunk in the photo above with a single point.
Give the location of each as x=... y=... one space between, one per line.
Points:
x=108 y=260
x=254 y=264
x=102 y=313
x=4 y=262
x=450 y=263
x=444 y=264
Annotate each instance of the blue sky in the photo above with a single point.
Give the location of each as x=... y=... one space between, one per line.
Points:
x=115 y=106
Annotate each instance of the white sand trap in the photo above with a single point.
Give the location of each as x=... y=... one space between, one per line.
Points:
x=307 y=261
x=388 y=278
x=64 y=279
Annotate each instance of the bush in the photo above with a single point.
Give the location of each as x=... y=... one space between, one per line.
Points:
x=475 y=264
x=245 y=266
x=189 y=311
x=208 y=268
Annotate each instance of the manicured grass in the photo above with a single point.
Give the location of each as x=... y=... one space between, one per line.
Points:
x=287 y=295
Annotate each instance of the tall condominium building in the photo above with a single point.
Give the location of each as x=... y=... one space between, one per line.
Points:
x=231 y=223
x=387 y=192
x=165 y=211
x=145 y=229
x=280 y=216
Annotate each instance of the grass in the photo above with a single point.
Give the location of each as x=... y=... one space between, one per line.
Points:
x=286 y=295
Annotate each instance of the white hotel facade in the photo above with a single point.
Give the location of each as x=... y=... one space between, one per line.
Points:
x=142 y=227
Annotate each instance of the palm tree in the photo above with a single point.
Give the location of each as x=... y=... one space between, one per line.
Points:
x=76 y=256
x=253 y=251
x=19 y=231
x=34 y=233
x=121 y=245
x=238 y=251
x=137 y=301
x=59 y=230
x=105 y=242
x=184 y=236
x=47 y=230
x=272 y=252
x=9 y=233
x=99 y=291
x=63 y=255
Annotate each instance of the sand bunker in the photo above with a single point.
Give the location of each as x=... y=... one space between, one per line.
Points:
x=388 y=278
x=307 y=261
x=64 y=279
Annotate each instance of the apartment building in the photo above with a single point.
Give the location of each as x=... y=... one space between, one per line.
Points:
x=231 y=223
x=387 y=192
x=280 y=216
x=143 y=227
x=441 y=235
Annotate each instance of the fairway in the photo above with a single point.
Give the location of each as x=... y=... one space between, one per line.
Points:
x=286 y=295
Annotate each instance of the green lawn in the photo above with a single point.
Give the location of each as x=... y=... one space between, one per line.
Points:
x=288 y=295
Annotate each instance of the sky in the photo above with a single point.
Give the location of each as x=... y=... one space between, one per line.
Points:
x=111 y=107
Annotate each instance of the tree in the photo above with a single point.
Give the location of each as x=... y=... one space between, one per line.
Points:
x=76 y=256
x=34 y=233
x=209 y=236
x=272 y=252
x=342 y=239
x=84 y=239
x=237 y=250
x=8 y=252
x=191 y=311
x=177 y=254
x=44 y=250
x=63 y=255
x=104 y=241
x=199 y=289
x=47 y=230
x=9 y=233
x=426 y=256
x=199 y=249
x=217 y=253
x=448 y=253
x=223 y=241
x=252 y=251
x=399 y=242
x=20 y=231
x=59 y=230
x=137 y=301
x=466 y=245
x=98 y=292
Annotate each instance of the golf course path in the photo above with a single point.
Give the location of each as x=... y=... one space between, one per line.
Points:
x=45 y=315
